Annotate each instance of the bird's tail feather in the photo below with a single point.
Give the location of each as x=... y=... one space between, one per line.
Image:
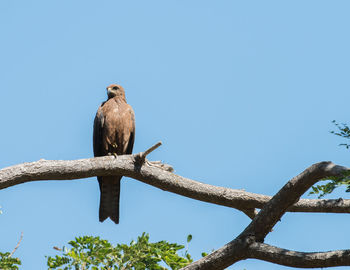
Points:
x=109 y=199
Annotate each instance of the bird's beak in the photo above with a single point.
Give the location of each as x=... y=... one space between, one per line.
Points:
x=109 y=92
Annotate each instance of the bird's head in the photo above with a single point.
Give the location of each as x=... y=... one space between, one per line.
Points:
x=115 y=90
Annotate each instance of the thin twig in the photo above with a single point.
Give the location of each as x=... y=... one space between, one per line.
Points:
x=151 y=149
x=140 y=158
x=19 y=242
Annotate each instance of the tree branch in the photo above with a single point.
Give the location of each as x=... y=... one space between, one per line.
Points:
x=140 y=158
x=150 y=150
x=159 y=176
x=263 y=223
x=288 y=195
x=297 y=259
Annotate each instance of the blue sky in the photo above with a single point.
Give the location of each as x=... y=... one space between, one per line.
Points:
x=241 y=93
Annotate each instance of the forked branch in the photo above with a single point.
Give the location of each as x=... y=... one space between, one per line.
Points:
x=141 y=157
x=245 y=245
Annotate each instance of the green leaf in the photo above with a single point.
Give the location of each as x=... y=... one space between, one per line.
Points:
x=189 y=238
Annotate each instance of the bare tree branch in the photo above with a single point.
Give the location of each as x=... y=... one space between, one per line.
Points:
x=263 y=223
x=297 y=259
x=140 y=158
x=288 y=195
x=158 y=176
x=150 y=150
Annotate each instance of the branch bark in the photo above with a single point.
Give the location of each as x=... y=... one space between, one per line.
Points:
x=297 y=259
x=157 y=176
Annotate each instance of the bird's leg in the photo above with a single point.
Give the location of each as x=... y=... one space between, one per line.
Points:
x=114 y=147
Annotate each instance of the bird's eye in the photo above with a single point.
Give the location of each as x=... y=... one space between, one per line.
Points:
x=115 y=88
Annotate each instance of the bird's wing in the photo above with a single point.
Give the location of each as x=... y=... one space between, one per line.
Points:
x=132 y=133
x=98 y=133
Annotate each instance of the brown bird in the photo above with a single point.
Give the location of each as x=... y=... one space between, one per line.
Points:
x=114 y=134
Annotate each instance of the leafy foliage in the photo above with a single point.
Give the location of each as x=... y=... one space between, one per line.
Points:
x=7 y=262
x=344 y=131
x=90 y=252
x=334 y=182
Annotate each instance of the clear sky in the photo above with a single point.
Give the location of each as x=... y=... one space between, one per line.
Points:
x=241 y=93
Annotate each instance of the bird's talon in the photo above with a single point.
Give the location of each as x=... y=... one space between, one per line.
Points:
x=148 y=163
x=112 y=154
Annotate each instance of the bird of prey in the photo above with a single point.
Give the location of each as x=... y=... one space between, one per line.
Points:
x=114 y=134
